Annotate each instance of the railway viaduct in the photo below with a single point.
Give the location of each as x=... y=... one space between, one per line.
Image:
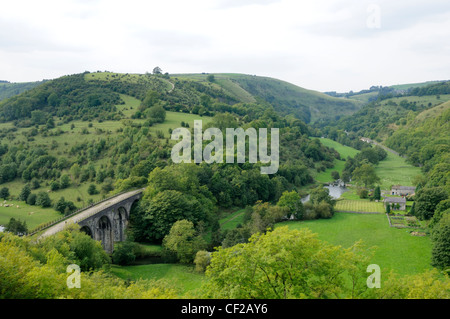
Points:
x=105 y=221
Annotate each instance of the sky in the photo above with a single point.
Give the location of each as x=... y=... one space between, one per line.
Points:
x=320 y=45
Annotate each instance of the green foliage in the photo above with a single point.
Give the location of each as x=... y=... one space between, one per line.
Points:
x=365 y=175
x=293 y=202
x=286 y=264
x=124 y=253
x=4 y=193
x=38 y=271
x=202 y=260
x=183 y=241
x=426 y=201
x=92 y=189
x=440 y=253
x=16 y=227
x=43 y=200
x=377 y=193
x=25 y=192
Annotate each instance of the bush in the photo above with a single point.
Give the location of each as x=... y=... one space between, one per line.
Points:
x=43 y=200
x=92 y=190
x=4 y=193
x=31 y=200
x=202 y=260
x=363 y=193
x=124 y=253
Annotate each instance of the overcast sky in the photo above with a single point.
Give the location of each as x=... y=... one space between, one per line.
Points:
x=321 y=45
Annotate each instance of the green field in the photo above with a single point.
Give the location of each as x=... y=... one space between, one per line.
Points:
x=361 y=205
x=232 y=220
x=344 y=151
x=395 y=171
x=396 y=249
x=33 y=215
x=183 y=277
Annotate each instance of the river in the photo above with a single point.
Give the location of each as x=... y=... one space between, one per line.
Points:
x=335 y=192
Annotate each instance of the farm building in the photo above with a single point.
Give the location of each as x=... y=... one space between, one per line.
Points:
x=397 y=203
x=402 y=190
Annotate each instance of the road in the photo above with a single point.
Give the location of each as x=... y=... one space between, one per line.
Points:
x=382 y=146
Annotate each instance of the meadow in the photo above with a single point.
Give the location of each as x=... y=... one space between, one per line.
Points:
x=395 y=171
x=33 y=215
x=183 y=278
x=396 y=249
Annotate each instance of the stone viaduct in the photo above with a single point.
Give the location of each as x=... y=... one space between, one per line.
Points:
x=105 y=221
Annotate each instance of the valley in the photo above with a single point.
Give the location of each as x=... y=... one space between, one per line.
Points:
x=72 y=141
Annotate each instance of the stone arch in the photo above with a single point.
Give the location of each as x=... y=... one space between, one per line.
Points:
x=105 y=233
x=87 y=230
x=120 y=221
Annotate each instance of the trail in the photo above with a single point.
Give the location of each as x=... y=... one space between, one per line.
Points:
x=368 y=140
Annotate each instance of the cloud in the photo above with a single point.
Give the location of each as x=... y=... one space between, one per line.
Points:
x=323 y=45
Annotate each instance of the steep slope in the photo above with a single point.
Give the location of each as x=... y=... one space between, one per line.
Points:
x=285 y=97
x=8 y=89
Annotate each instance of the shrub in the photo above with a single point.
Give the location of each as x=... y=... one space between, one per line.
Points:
x=202 y=260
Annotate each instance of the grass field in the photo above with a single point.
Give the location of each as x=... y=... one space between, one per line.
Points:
x=33 y=215
x=183 y=277
x=232 y=220
x=361 y=205
x=394 y=170
x=344 y=151
x=396 y=249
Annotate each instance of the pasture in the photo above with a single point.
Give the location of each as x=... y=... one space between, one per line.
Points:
x=396 y=249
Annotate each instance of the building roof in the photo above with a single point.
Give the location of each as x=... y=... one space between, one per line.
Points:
x=395 y=200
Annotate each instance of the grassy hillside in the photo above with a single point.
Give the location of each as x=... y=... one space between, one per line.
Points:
x=286 y=98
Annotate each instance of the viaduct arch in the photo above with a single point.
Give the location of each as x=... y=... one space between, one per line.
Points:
x=105 y=221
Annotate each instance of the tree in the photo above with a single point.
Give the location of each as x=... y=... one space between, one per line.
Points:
x=157 y=70
x=26 y=190
x=16 y=227
x=151 y=98
x=4 y=193
x=157 y=113
x=388 y=208
x=427 y=199
x=335 y=175
x=43 y=200
x=92 y=189
x=210 y=78
x=31 y=200
x=377 y=193
x=293 y=202
x=365 y=175
x=54 y=185
x=286 y=263
x=124 y=253
x=202 y=260
x=64 y=181
x=183 y=241
x=60 y=205
x=440 y=253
